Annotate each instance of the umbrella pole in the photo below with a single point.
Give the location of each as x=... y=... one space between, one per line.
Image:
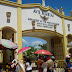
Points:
x=38 y=55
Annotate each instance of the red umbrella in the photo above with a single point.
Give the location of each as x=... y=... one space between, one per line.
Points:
x=23 y=49
x=42 y=51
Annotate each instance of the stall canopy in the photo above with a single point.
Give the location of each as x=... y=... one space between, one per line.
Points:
x=7 y=44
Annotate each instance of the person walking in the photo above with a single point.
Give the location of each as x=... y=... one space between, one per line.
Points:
x=39 y=63
x=67 y=64
x=13 y=66
x=28 y=65
x=44 y=65
x=54 y=64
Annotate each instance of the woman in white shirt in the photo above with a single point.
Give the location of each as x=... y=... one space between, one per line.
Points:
x=28 y=66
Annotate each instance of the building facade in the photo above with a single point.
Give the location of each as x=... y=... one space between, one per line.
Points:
x=34 y=20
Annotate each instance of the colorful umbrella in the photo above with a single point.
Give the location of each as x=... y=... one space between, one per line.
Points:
x=23 y=49
x=7 y=44
x=42 y=51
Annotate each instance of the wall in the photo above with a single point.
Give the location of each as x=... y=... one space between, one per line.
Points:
x=49 y=44
x=3 y=17
x=36 y=14
x=66 y=27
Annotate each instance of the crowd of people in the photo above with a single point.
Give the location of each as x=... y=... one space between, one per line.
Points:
x=49 y=64
x=44 y=64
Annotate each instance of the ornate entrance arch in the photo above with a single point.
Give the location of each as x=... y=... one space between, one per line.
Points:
x=42 y=31
x=54 y=40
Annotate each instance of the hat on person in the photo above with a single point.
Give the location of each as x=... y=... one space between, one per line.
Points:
x=52 y=57
x=67 y=56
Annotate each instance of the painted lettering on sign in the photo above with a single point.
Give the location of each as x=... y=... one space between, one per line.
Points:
x=42 y=23
x=43 y=13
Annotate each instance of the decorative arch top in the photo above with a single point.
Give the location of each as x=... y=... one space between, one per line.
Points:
x=15 y=4
x=43 y=30
x=8 y=27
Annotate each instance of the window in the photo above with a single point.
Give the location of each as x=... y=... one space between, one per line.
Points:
x=68 y=27
x=8 y=16
x=8 y=20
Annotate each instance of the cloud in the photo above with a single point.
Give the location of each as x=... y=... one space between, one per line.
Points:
x=37 y=47
x=24 y=41
x=37 y=43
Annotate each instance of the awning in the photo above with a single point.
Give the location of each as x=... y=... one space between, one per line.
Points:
x=4 y=44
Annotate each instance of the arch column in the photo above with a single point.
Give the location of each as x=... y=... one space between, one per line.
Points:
x=64 y=39
x=1 y=54
x=15 y=41
x=15 y=37
x=19 y=30
x=0 y=33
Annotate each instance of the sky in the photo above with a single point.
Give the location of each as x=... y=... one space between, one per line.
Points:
x=66 y=4
x=32 y=41
x=67 y=7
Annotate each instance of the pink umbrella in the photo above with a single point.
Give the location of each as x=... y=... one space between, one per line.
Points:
x=23 y=49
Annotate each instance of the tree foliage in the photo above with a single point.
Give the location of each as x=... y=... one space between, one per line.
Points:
x=30 y=51
x=44 y=46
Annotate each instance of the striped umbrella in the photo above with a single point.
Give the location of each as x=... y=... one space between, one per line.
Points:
x=7 y=44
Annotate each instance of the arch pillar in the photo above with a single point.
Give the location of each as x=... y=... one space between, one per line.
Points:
x=15 y=41
x=19 y=30
x=19 y=1
x=64 y=39
x=15 y=37
x=1 y=54
x=0 y=33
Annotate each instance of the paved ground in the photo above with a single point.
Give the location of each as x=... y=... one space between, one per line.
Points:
x=58 y=70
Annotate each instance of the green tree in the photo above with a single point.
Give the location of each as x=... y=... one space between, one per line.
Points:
x=44 y=46
x=30 y=51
